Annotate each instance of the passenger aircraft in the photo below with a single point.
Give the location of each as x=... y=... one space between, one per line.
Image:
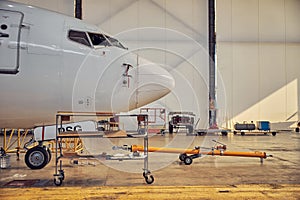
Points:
x=50 y=62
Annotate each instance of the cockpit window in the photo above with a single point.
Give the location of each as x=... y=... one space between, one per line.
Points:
x=115 y=42
x=98 y=39
x=79 y=37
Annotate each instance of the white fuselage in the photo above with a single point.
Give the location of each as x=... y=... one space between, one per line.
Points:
x=50 y=62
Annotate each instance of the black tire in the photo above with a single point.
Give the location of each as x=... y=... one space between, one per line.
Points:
x=188 y=160
x=200 y=133
x=49 y=155
x=273 y=133
x=36 y=158
x=224 y=133
x=171 y=128
x=297 y=129
x=62 y=174
x=234 y=132
x=182 y=156
x=57 y=181
x=242 y=133
x=149 y=179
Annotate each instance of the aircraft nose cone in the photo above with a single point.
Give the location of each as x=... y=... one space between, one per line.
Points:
x=154 y=82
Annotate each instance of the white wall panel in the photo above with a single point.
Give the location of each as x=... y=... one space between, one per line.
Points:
x=62 y=6
x=258 y=57
x=244 y=20
x=245 y=80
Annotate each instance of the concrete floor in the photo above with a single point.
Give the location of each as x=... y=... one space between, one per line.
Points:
x=281 y=169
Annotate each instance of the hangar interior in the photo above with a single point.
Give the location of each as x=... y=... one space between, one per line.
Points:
x=257 y=52
x=257 y=79
x=256 y=55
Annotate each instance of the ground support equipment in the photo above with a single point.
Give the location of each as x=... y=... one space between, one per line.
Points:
x=181 y=120
x=187 y=155
x=201 y=132
x=63 y=117
x=261 y=127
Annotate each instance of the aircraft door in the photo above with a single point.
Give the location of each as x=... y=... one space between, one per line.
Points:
x=10 y=30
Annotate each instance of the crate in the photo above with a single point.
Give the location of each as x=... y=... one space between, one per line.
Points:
x=263 y=125
x=4 y=161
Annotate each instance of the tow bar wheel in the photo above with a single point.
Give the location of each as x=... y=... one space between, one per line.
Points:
x=182 y=156
x=36 y=158
x=188 y=160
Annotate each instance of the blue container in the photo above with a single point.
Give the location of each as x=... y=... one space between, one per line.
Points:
x=263 y=125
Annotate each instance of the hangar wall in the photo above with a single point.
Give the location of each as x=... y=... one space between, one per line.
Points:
x=258 y=48
x=171 y=33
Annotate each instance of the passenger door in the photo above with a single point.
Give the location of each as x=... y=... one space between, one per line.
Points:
x=10 y=30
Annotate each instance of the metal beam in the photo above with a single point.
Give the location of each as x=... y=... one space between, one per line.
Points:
x=78 y=9
x=212 y=67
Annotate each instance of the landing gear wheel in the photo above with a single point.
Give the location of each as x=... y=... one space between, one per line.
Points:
x=188 y=160
x=149 y=179
x=57 y=181
x=36 y=158
x=49 y=155
x=182 y=156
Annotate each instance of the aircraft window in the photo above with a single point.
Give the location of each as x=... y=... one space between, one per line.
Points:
x=79 y=37
x=104 y=40
x=3 y=26
x=99 y=39
x=115 y=42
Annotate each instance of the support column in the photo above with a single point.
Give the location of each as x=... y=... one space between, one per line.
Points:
x=78 y=9
x=212 y=67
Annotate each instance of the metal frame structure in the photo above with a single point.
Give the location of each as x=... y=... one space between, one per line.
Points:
x=188 y=125
x=62 y=117
x=8 y=141
x=154 y=114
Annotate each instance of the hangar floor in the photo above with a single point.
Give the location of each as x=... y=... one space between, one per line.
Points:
x=209 y=177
